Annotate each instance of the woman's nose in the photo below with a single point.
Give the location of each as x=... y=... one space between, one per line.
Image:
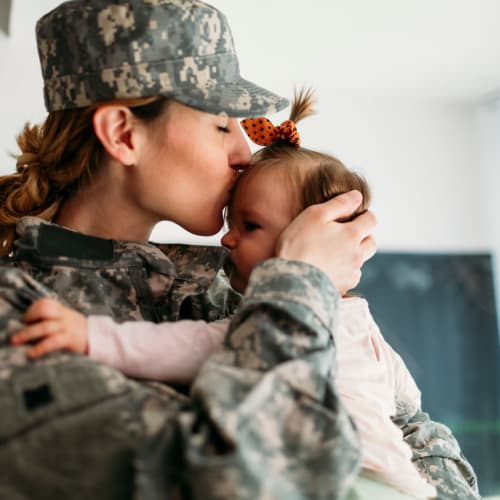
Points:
x=239 y=154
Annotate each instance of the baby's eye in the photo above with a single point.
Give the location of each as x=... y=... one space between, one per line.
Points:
x=250 y=226
x=224 y=130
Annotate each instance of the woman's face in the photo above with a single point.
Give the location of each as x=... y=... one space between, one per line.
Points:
x=188 y=166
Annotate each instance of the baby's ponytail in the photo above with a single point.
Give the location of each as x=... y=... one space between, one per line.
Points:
x=302 y=104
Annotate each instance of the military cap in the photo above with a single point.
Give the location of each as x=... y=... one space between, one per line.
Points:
x=101 y=50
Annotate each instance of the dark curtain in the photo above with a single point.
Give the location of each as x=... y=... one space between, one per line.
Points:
x=438 y=312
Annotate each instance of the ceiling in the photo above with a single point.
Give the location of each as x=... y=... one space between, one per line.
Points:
x=432 y=49
x=437 y=49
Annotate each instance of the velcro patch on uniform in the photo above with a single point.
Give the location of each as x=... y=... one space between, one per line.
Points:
x=37 y=397
x=55 y=241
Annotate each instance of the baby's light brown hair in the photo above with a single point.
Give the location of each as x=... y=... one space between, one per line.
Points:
x=311 y=177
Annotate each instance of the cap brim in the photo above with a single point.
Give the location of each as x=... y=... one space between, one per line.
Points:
x=240 y=98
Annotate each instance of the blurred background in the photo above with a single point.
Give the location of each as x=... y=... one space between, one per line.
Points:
x=408 y=95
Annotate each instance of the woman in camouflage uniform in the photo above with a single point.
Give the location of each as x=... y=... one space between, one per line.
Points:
x=142 y=96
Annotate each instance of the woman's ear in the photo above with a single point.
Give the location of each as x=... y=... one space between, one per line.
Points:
x=114 y=127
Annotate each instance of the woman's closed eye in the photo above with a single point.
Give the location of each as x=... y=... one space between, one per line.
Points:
x=224 y=130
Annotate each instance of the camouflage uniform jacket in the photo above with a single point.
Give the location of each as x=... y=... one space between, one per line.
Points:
x=262 y=419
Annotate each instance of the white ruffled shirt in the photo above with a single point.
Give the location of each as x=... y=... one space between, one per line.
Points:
x=370 y=376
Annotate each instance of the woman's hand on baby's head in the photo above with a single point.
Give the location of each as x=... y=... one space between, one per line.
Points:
x=337 y=248
x=52 y=326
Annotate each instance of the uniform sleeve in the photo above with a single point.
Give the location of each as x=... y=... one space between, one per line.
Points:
x=170 y=351
x=266 y=421
x=437 y=455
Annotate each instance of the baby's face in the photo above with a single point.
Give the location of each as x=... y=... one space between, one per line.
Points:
x=259 y=211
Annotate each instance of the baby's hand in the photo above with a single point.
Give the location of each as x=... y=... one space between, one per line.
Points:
x=53 y=327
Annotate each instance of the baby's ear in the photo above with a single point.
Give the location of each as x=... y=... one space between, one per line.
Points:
x=114 y=127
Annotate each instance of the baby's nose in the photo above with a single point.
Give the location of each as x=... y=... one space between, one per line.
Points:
x=228 y=240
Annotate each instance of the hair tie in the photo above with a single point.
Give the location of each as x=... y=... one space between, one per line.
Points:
x=261 y=131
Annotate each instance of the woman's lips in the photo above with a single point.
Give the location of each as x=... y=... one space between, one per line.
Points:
x=233 y=182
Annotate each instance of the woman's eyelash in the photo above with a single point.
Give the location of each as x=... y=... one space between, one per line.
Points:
x=223 y=129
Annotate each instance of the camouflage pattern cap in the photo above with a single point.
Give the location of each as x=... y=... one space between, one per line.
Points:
x=101 y=50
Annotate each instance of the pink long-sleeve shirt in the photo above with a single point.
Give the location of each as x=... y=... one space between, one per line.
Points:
x=370 y=377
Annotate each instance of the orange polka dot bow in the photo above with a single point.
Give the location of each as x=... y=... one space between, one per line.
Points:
x=263 y=132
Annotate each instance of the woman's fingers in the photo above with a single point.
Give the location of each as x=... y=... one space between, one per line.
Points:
x=36 y=331
x=363 y=225
x=316 y=236
x=368 y=247
x=364 y=245
x=339 y=207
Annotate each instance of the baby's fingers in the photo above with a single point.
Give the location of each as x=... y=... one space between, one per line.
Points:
x=49 y=344
x=43 y=309
x=36 y=331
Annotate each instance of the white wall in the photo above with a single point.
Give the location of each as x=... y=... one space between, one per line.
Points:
x=20 y=78
x=417 y=156
x=488 y=123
